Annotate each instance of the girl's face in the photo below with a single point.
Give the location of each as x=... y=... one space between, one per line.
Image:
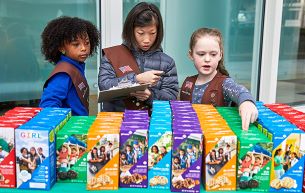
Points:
x=280 y=152
x=206 y=55
x=247 y=158
x=63 y=149
x=163 y=150
x=78 y=49
x=127 y=148
x=32 y=151
x=176 y=160
x=181 y=152
x=145 y=36
x=24 y=151
x=123 y=156
x=154 y=149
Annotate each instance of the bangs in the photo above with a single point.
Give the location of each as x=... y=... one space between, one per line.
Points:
x=146 y=18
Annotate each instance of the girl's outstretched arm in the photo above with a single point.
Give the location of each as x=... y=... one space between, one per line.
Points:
x=243 y=98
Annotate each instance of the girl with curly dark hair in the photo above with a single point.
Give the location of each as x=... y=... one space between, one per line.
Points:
x=67 y=42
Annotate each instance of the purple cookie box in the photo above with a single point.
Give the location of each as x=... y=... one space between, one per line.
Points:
x=194 y=171
x=141 y=166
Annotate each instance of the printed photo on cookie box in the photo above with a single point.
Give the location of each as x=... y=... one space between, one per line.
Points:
x=103 y=159
x=133 y=157
x=287 y=162
x=7 y=156
x=71 y=159
x=220 y=169
x=159 y=156
x=35 y=153
x=186 y=161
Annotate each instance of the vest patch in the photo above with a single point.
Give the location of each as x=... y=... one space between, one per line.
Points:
x=125 y=69
x=81 y=86
x=188 y=85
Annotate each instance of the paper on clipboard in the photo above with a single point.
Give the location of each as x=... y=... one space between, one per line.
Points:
x=120 y=93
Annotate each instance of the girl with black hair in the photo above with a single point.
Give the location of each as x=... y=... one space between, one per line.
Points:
x=67 y=42
x=139 y=59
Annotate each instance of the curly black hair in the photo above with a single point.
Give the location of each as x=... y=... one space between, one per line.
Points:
x=64 y=30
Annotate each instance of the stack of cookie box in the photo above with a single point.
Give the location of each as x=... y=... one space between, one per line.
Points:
x=288 y=150
x=160 y=145
x=35 y=149
x=11 y=120
x=103 y=156
x=254 y=153
x=293 y=116
x=71 y=150
x=133 y=146
x=187 y=148
x=219 y=168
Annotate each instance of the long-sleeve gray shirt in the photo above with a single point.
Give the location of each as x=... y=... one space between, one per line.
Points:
x=166 y=88
x=231 y=92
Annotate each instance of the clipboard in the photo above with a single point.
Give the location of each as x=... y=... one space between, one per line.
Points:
x=119 y=93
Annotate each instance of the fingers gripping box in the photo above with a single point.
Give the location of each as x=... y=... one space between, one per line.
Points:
x=33 y=170
x=186 y=161
x=133 y=157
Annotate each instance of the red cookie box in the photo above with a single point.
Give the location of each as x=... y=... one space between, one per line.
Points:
x=7 y=155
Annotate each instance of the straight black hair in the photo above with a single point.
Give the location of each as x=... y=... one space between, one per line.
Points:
x=142 y=15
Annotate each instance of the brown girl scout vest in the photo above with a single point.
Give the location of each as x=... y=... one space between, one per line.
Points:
x=213 y=93
x=123 y=62
x=79 y=82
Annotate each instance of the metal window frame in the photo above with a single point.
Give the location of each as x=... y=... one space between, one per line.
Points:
x=111 y=17
x=270 y=50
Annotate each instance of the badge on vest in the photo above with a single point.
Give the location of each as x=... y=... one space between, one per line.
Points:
x=81 y=86
x=125 y=69
x=188 y=85
x=213 y=94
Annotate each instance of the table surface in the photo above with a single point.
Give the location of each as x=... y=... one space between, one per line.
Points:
x=81 y=187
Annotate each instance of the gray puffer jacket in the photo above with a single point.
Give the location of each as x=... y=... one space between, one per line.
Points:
x=166 y=89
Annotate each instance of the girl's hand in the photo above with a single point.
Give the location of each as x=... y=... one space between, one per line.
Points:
x=248 y=113
x=142 y=95
x=149 y=77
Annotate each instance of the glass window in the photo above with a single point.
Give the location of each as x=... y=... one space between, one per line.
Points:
x=237 y=20
x=129 y=4
x=23 y=68
x=291 y=70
